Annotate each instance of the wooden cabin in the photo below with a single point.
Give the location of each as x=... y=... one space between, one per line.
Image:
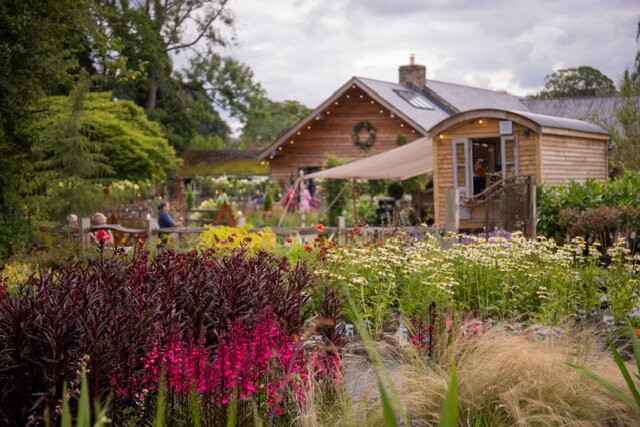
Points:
x=476 y=151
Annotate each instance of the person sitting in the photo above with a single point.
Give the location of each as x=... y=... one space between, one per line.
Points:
x=164 y=217
x=101 y=237
x=165 y=221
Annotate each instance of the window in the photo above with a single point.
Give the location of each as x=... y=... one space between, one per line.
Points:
x=415 y=99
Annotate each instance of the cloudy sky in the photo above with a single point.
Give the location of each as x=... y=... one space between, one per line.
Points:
x=306 y=49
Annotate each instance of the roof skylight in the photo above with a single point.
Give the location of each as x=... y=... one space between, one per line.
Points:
x=415 y=99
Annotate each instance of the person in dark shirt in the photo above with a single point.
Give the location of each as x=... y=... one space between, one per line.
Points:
x=164 y=217
x=165 y=221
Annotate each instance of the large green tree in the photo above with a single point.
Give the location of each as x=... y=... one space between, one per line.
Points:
x=266 y=120
x=579 y=81
x=142 y=38
x=113 y=131
x=38 y=42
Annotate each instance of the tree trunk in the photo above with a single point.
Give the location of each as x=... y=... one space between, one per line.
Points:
x=152 y=94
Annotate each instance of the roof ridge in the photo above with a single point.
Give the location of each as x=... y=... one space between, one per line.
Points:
x=378 y=80
x=527 y=98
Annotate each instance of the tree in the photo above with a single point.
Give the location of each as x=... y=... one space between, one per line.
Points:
x=135 y=62
x=99 y=129
x=71 y=158
x=266 y=120
x=625 y=135
x=580 y=81
x=37 y=51
x=151 y=30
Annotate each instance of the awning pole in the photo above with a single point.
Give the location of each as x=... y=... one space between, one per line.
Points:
x=353 y=198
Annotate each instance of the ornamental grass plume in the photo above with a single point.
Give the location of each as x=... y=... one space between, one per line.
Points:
x=508 y=379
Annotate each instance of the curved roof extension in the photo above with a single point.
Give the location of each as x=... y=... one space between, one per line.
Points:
x=540 y=123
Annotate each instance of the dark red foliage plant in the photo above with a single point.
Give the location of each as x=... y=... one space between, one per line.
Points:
x=118 y=311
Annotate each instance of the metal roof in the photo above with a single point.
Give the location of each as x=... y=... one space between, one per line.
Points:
x=465 y=98
x=545 y=120
x=426 y=118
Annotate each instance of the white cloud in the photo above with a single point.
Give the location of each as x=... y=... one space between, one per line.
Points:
x=305 y=49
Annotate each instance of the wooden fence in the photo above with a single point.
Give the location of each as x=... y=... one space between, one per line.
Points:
x=341 y=232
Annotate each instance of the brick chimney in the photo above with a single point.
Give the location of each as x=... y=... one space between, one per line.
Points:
x=413 y=73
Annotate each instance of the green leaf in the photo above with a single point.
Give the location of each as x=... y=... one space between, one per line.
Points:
x=606 y=384
x=232 y=412
x=66 y=412
x=449 y=416
x=161 y=402
x=636 y=345
x=194 y=403
x=84 y=409
x=625 y=373
x=387 y=409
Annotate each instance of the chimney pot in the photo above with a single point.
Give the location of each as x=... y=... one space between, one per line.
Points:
x=413 y=73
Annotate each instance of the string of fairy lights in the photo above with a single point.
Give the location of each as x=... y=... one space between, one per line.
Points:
x=307 y=127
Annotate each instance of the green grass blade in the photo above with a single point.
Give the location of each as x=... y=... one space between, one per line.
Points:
x=625 y=373
x=161 y=402
x=388 y=412
x=449 y=416
x=232 y=411
x=381 y=371
x=606 y=384
x=84 y=409
x=65 y=420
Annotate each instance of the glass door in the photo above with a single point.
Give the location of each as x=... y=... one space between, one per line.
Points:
x=509 y=152
x=462 y=172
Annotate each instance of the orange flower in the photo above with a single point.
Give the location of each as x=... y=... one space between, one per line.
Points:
x=320 y=228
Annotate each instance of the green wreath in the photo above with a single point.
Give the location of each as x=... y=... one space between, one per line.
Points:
x=364 y=143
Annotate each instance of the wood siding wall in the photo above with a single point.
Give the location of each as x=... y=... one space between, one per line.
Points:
x=572 y=158
x=443 y=166
x=332 y=134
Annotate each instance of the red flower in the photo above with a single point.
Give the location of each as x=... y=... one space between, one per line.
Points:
x=289 y=239
x=308 y=248
x=320 y=228
x=318 y=239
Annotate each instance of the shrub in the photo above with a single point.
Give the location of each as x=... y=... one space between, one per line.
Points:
x=334 y=191
x=117 y=311
x=226 y=239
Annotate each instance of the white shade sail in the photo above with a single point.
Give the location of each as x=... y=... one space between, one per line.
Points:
x=415 y=158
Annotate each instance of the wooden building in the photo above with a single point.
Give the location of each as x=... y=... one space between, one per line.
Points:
x=365 y=117
x=476 y=151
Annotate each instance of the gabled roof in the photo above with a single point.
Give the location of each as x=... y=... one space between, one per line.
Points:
x=381 y=92
x=388 y=91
